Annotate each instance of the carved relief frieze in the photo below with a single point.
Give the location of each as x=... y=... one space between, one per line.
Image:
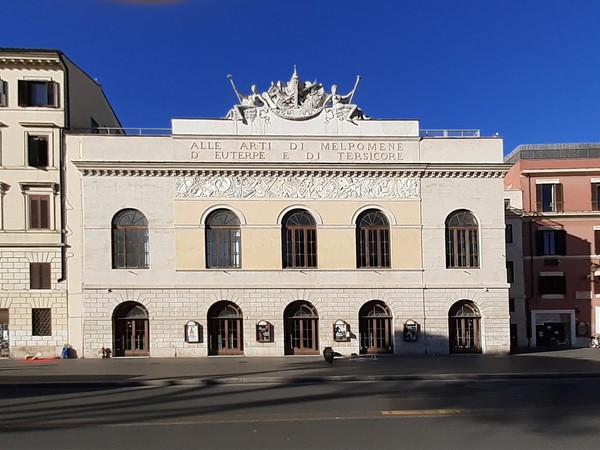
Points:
x=296 y=187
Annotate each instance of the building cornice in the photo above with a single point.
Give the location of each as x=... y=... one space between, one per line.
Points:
x=162 y=168
x=29 y=61
x=561 y=171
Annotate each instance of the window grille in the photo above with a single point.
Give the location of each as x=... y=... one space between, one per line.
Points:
x=41 y=322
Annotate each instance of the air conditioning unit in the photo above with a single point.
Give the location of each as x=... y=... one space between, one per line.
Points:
x=551 y=261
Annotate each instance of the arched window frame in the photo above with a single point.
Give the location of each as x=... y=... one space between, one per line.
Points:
x=462 y=240
x=299 y=240
x=130 y=240
x=373 y=240
x=223 y=240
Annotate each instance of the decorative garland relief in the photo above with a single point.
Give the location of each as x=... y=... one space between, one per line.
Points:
x=294 y=187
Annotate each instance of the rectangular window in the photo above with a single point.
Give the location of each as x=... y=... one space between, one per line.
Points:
x=40 y=276
x=510 y=272
x=551 y=242
x=39 y=212
x=596 y=242
x=509 y=233
x=41 y=322
x=549 y=197
x=38 y=93
x=552 y=284
x=595 y=197
x=511 y=305
x=3 y=93
x=37 y=151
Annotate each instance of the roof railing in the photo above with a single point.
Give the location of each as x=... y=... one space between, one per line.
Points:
x=450 y=133
x=126 y=131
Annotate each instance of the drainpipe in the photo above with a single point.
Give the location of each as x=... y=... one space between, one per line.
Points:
x=61 y=171
x=529 y=294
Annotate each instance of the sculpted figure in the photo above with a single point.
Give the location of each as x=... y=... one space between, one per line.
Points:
x=252 y=99
x=337 y=99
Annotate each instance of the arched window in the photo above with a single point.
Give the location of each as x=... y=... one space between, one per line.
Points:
x=375 y=328
x=373 y=239
x=464 y=327
x=131 y=330
x=130 y=240
x=301 y=329
x=223 y=239
x=462 y=241
x=225 y=326
x=299 y=240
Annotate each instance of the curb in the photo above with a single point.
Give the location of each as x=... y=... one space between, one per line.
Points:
x=291 y=381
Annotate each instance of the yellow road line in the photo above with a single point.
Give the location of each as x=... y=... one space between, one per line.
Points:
x=423 y=412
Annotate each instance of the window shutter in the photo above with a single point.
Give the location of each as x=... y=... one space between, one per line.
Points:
x=34 y=276
x=23 y=93
x=52 y=94
x=538 y=198
x=3 y=92
x=40 y=276
x=595 y=196
x=558 y=200
x=45 y=275
x=539 y=242
x=45 y=212
x=561 y=242
x=561 y=285
x=34 y=211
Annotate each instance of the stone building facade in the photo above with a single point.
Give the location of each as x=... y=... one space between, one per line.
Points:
x=294 y=224
x=42 y=94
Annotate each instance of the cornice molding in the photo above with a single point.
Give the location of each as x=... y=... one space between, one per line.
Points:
x=29 y=61
x=171 y=169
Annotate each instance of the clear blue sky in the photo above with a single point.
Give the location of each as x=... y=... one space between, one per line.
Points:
x=527 y=69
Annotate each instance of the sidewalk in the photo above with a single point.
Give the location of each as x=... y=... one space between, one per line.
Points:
x=302 y=369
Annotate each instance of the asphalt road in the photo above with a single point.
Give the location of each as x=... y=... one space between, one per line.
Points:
x=532 y=413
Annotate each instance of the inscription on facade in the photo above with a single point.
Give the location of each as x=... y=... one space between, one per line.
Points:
x=300 y=151
x=293 y=187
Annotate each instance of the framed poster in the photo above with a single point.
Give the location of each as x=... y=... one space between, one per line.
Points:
x=341 y=331
x=411 y=331
x=193 y=332
x=264 y=331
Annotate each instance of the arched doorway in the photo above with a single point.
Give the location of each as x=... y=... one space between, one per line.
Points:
x=130 y=325
x=375 y=328
x=225 y=329
x=464 y=328
x=301 y=329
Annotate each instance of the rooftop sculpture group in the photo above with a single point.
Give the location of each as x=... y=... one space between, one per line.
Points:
x=296 y=100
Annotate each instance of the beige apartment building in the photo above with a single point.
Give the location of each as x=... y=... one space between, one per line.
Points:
x=294 y=224
x=42 y=94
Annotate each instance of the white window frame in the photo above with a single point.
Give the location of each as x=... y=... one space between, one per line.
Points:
x=48 y=132
x=41 y=188
x=55 y=85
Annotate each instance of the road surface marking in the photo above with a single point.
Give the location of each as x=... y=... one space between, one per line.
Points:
x=424 y=412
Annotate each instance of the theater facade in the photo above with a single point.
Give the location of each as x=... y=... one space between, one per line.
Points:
x=294 y=224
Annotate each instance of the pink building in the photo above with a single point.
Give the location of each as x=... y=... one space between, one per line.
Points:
x=559 y=224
